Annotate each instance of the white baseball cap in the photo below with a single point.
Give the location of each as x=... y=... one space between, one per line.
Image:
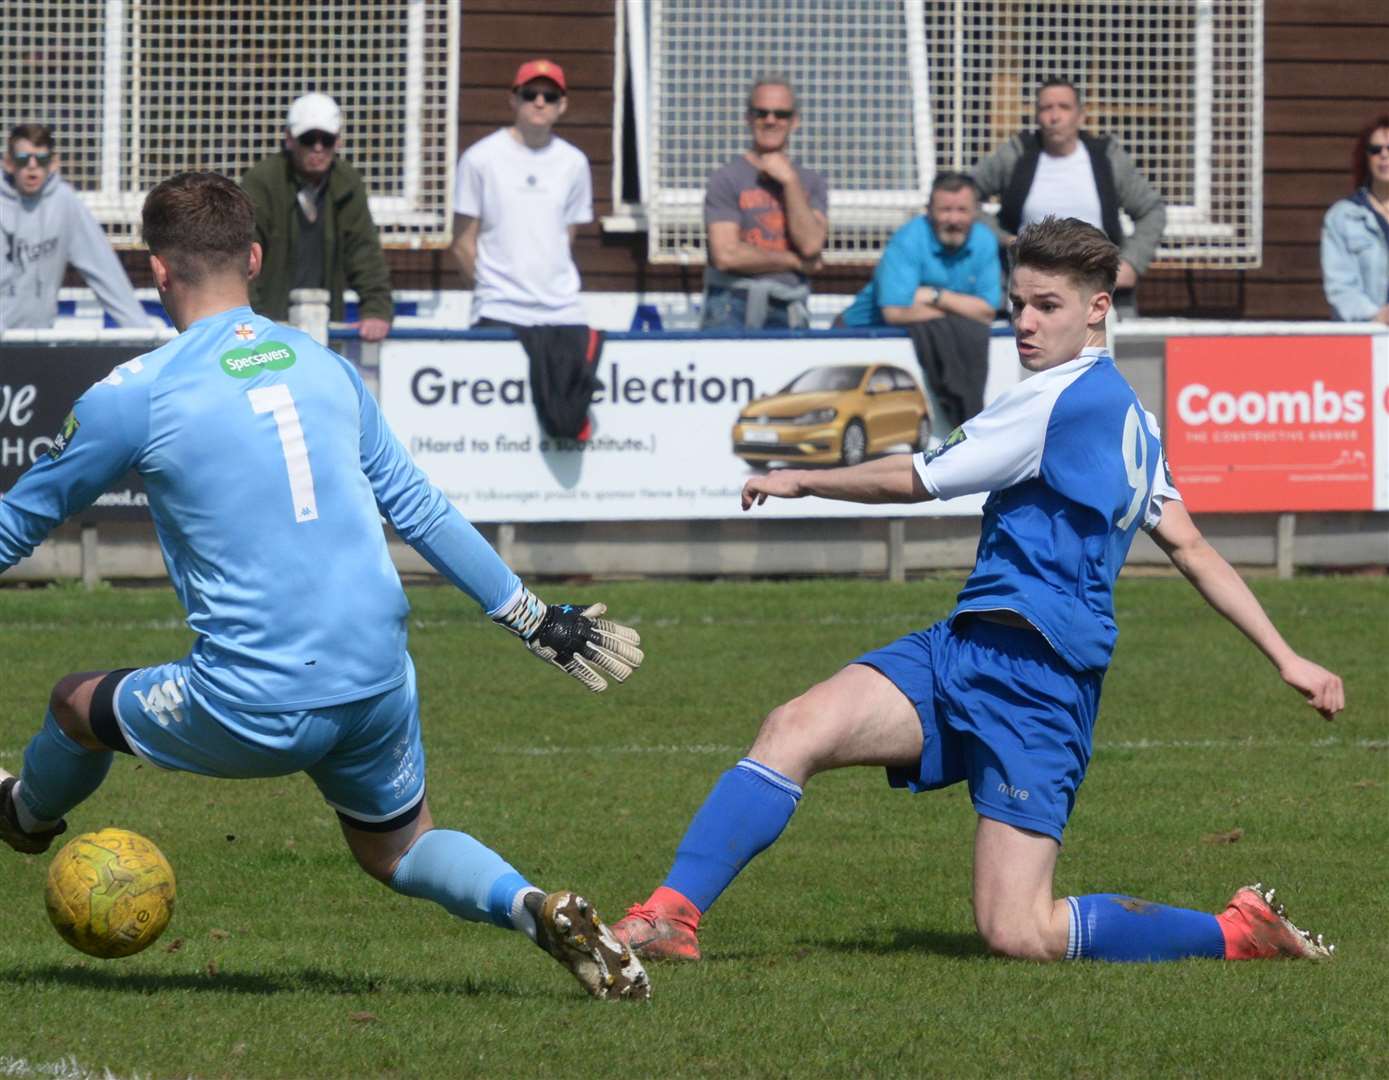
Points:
x=314 y=112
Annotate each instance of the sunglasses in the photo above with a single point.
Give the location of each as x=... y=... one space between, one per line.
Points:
x=41 y=157
x=767 y=114
x=311 y=139
x=1376 y=148
x=530 y=93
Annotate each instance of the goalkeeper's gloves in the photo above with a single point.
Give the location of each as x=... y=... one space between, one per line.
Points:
x=578 y=642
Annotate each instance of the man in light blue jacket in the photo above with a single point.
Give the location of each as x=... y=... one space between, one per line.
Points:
x=1355 y=235
x=46 y=228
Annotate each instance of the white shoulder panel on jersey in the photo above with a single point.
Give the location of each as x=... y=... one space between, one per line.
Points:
x=1003 y=445
x=1163 y=489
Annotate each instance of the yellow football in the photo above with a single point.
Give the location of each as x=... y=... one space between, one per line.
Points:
x=110 y=893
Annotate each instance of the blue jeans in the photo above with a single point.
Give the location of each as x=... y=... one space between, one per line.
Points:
x=727 y=309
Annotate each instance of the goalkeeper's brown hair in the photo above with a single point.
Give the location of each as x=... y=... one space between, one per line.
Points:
x=200 y=224
x=1073 y=248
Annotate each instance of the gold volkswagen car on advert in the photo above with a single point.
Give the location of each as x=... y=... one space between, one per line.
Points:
x=834 y=415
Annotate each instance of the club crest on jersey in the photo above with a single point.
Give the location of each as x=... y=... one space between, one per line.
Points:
x=245 y=331
x=268 y=356
x=953 y=439
x=64 y=436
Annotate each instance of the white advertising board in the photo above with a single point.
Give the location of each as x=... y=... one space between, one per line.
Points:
x=662 y=445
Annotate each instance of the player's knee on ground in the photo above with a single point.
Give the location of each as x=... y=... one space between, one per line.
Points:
x=1016 y=938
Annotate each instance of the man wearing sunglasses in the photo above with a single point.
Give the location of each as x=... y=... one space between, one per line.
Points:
x=45 y=228
x=314 y=224
x=521 y=195
x=765 y=218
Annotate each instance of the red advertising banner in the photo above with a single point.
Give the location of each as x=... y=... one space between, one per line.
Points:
x=1272 y=423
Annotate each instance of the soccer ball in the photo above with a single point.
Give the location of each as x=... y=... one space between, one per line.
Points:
x=110 y=893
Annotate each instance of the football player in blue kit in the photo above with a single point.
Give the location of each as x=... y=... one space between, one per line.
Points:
x=1003 y=693
x=269 y=467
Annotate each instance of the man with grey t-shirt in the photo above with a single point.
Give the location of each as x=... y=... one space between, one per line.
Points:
x=765 y=221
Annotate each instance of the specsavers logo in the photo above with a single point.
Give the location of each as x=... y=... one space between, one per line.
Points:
x=269 y=355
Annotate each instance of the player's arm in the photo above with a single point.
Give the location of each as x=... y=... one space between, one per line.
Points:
x=575 y=639
x=99 y=440
x=1222 y=587
x=891 y=479
x=464 y=246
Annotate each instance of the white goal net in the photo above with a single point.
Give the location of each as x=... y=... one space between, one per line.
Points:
x=893 y=91
x=136 y=90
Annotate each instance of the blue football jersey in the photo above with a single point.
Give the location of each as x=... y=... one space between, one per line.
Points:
x=268 y=467
x=1075 y=467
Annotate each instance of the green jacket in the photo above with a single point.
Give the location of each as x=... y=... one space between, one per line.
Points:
x=352 y=254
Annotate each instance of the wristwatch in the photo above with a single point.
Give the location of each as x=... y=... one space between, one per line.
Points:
x=935 y=296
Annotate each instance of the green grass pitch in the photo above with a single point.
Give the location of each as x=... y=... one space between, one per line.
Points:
x=846 y=950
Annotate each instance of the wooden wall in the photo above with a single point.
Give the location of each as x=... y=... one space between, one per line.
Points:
x=1326 y=72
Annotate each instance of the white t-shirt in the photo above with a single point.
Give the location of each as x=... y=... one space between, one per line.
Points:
x=1064 y=187
x=525 y=200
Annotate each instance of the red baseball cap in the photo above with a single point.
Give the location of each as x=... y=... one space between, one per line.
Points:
x=540 y=69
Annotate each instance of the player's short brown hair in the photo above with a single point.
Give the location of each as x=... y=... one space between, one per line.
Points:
x=38 y=134
x=1069 y=246
x=199 y=223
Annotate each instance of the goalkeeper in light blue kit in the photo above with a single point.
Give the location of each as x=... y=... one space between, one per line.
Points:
x=269 y=467
x=1003 y=694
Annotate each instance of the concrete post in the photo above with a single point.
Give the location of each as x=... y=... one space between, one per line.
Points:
x=91 y=550
x=1283 y=546
x=896 y=550
x=308 y=311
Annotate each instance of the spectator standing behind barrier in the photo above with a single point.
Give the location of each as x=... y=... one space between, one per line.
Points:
x=314 y=224
x=940 y=277
x=521 y=194
x=766 y=222
x=1355 y=234
x=1062 y=171
x=46 y=228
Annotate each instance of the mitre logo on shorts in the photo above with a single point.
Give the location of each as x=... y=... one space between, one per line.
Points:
x=267 y=356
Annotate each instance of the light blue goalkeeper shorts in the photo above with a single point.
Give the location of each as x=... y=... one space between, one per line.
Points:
x=365 y=756
x=1000 y=709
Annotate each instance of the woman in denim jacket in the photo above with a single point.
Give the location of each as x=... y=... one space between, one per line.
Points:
x=1355 y=234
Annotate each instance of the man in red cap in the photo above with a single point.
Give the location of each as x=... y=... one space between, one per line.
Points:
x=521 y=194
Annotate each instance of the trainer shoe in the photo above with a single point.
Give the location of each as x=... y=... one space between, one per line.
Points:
x=26 y=842
x=653 y=935
x=1257 y=929
x=569 y=929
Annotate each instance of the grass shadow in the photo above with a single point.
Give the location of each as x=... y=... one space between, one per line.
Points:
x=904 y=939
x=288 y=981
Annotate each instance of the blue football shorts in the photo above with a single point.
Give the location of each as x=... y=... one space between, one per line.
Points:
x=1000 y=709
x=365 y=756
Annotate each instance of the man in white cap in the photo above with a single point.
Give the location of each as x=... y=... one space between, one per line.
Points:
x=314 y=225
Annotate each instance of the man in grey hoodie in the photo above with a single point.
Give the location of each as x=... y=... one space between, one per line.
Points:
x=45 y=227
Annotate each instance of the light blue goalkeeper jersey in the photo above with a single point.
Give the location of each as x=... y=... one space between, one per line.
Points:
x=268 y=467
x=1075 y=467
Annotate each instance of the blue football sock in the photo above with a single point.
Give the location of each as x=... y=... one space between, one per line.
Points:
x=58 y=774
x=465 y=877
x=745 y=812
x=1124 y=929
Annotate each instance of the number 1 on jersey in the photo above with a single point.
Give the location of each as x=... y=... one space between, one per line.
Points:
x=279 y=403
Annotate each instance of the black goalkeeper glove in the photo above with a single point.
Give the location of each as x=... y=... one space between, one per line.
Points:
x=579 y=643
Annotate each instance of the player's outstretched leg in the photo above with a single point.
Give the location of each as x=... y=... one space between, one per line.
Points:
x=569 y=929
x=470 y=880
x=59 y=770
x=746 y=811
x=857 y=717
